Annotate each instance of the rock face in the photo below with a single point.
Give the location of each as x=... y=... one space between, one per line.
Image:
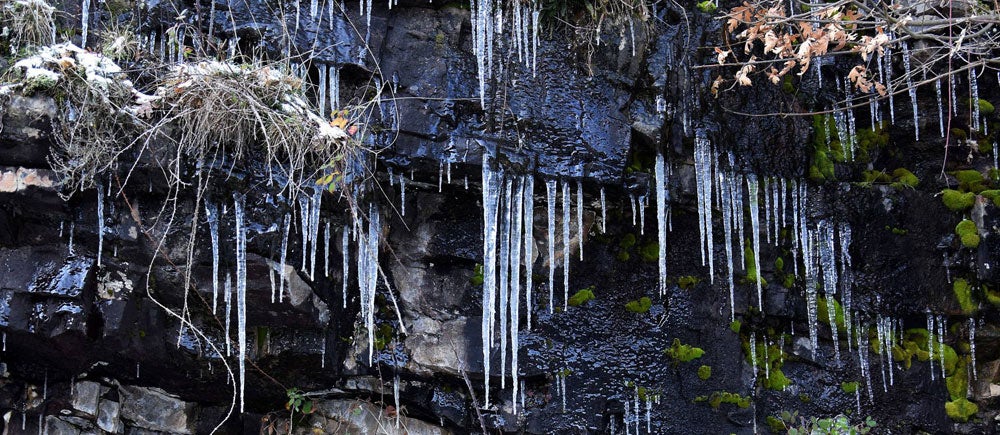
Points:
x=145 y=339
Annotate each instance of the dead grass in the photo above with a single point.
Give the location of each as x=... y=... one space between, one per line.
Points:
x=27 y=24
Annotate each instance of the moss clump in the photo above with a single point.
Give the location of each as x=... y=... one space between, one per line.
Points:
x=991 y=296
x=849 y=387
x=581 y=297
x=958 y=382
x=823 y=312
x=985 y=107
x=623 y=256
x=967 y=232
x=789 y=281
x=707 y=6
x=779 y=264
x=751 y=266
x=650 y=252
x=960 y=410
x=957 y=201
x=679 y=352
x=688 y=281
x=640 y=306
x=992 y=195
x=776 y=425
x=777 y=380
x=704 y=372
x=963 y=294
x=970 y=180
x=627 y=241
x=873 y=176
x=735 y=326
x=821 y=168
x=904 y=178
x=477 y=275
x=716 y=399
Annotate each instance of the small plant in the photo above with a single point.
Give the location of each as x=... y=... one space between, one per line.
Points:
x=298 y=402
x=839 y=425
x=581 y=297
x=679 y=352
x=640 y=306
x=477 y=275
x=967 y=233
x=704 y=372
x=687 y=281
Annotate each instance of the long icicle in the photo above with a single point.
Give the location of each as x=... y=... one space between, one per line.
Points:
x=566 y=235
x=661 y=220
x=491 y=193
x=550 y=192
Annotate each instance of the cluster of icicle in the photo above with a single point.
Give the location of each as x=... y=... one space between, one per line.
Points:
x=488 y=20
x=508 y=213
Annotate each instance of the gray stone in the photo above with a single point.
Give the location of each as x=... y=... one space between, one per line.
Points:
x=108 y=417
x=154 y=409
x=357 y=417
x=58 y=426
x=443 y=347
x=86 y=396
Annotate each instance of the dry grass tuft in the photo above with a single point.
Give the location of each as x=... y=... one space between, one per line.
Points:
x=27 y=24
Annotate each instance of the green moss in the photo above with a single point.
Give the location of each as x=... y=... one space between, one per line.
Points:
x=904 y=178
x=991 y=296
x=735 y=326
x=897 y=231
x=716 y=399
x=957 y=201
x=750 y=266
x=985 y=146
x=704 y=372
x=640 y=306
x=963 y=294
x=38 y=83
x=787 y=85
x=581 y=297
x=821 y=168
x=804 y=398
x=985 y=107
x=789 y=281
x=627 y=241
x=961 y=409
x=687 y=281
x=992 y=195
x=679 y=352
x=967 y=233
x=477 y=275
x=779 y=264
x=623 y=256
x=959 y=134
x=849 y=387
x=970 y=180
x=650 y=252
x=707 y=6
x=824 y=314
x=776 y=425
x=958 y=382
x=777 y=380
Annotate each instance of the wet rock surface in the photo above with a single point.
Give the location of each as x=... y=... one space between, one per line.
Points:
x=91 y=346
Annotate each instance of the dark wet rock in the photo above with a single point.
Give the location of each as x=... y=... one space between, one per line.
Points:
x=153 y=409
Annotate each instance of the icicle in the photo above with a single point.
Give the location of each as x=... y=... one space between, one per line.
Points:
x=726 y=191
x=228 y=299
x=844 y=231
x=887 y=345
x=368 y=248
x=863 y=362
x=703 y=178
x=579 y=215
x=765 y=189
x=326 y=250
x=323 y=75
x=940 y=341
x=314 y=12
x=515 y=283
x=84 y=22
x=566 y=243
x=887 y=67
x=642 y=214
x=100 y=222
x=604 y=214
x=953 y=96
x=972 y=346
x=811 y=298
x=491 y=194
x=974 y=89
x=241 y=291
x=45 y=386
x=5 y=341
x=212 y=214
x=755 y=225
x=529 y=247
x=828 y=263
x=661 y=223
x=937 y=93
x=346 y=254
x=304 y=229
x=634 y=215
x=880 y=336
x=284 y=258
x=775 y=202
x=550 y=192
x=505 y=249
x=315 y=207
x=930 y=344
x=912 y=90
x=753 y=358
